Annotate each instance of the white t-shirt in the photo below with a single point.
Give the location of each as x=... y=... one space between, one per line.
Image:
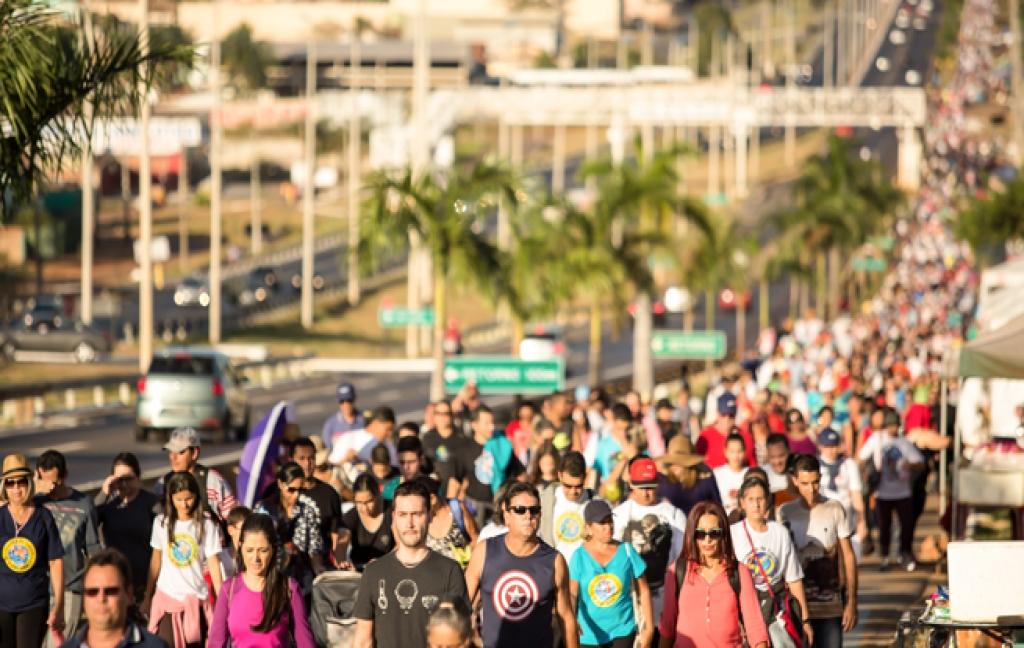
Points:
x=182 y=563
x=729 y=482
x=355 y=440
x=567 y=524
x=847 y=481
x=891 y=456
x=643 y=526
x=774 y=550
x=776 y=482
x=816 y=534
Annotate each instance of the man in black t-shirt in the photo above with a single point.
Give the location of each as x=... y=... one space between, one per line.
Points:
x=441 y=442
x=398 y=591
x=475 y=468
x=303 y=452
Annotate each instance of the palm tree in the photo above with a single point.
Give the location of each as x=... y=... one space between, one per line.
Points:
x=639 y=201
x=841 y=201
x=987 y=224
x=446 y=210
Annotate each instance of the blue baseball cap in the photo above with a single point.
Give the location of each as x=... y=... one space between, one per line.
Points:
x=828 y=438
x=727 y=404
x=346 y=393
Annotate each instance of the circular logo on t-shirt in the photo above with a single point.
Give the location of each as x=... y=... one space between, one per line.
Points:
x=769 y=564
x=515 y=595
x=605 y=590
x=483 y=467
x=19 y=555
x=183 y=551
x=442 y=453
x=569 y=527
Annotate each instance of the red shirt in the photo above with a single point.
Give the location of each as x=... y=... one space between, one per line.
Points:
x=711 y=444
x=918 y=416
x=707 y=615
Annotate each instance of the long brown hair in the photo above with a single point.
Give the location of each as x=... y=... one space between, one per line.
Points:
x=178 y=482
x=276 y=593
x=691 y=552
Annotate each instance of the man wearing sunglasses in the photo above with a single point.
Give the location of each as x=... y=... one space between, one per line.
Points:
x=651 y=524
x=107 y=594
x=520 y=580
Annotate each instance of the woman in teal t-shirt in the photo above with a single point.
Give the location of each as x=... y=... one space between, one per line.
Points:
x=604 y=573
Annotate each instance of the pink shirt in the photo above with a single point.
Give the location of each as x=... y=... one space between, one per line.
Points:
x=706 y=615
x=239 y=609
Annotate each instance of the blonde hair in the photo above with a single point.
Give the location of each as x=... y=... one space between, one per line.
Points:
x=31 y=489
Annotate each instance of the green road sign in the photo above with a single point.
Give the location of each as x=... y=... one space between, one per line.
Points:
x=504 y=374
x=869 y=264
x=695 y=345
x=402 y=317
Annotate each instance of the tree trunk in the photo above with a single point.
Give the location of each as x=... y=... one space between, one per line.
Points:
x=594 y=357
x=516 y=336
x=764 y=308
x=643 y=369
x=834 y=287
x=794 y=296
x=440 y=317
x=688 y=317
x=709 y=309
x=820 y=284
x=741 y=329
x=37 y=225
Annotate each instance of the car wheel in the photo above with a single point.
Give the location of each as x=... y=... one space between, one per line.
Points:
x=141 y=434
x=85 y=352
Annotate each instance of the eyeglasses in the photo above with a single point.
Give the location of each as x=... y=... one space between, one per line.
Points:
x=534 y=511
x=21 y=482
x=702 y=534
x=109 y=592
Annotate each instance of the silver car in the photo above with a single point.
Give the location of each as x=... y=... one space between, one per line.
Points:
x=192 y=387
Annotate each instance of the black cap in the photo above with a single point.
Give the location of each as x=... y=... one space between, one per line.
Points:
x=596 y=510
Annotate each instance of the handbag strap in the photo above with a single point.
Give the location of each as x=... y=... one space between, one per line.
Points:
x=760 y=567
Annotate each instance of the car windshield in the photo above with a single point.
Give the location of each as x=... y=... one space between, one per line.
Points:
x=182 y=366
x=190 y=283
x=550 y=337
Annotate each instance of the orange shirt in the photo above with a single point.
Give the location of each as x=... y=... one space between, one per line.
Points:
x=706 y=615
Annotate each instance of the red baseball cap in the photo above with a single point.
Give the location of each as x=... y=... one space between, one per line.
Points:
x=643 y=472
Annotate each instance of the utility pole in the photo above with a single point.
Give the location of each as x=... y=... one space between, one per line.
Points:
x=255 y=204
x=419 y=152
x=216 y=133
x=355 y=65
x=183 y=213
x=308 y=190
x=145 y=212
x=88 y=200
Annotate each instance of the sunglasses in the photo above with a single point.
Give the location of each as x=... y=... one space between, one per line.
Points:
x=702 y=534
x=20 y=481
x=109 y=592
x=534 y=511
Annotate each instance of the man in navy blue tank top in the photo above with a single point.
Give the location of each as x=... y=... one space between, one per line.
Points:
x=520 y=580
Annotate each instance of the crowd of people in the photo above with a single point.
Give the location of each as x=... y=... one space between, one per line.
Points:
x=742 y=517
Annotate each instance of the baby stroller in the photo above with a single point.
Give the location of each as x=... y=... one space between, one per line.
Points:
x=334 y=598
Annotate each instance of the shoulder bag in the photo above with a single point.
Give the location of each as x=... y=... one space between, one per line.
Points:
x=785 y=629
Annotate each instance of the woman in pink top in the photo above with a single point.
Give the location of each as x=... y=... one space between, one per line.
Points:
x=260 y=607
x=706 y=612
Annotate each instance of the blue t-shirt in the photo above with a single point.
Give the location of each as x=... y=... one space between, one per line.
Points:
x=25 y=560
x=605 y=610
x=606 y=457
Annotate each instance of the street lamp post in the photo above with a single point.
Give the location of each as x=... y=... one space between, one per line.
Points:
x=216 y=133
x=145 y=212
x=354 y=171
x=307 y=194
x=88 y=201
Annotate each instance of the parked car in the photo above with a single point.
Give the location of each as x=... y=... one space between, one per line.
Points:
x=58 y=335
x=728 y=298
x=192 y=292
x=192 y=387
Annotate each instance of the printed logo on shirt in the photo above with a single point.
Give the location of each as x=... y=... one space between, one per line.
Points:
x=605 y=590
x=183 y=551
x=769 y=562
x=19 y=555
x=515 y=595
x=569 y=527
x=442 y=453
x=483 y=467
x=652 y=539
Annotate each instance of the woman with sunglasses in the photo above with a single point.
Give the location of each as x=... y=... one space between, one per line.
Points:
x=298 y=526
x=260 y=607
x=31 y=550
x=705 y=603
x=766 y=548
x=126 y=512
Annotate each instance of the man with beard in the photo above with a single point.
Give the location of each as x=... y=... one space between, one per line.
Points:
x=398 y=591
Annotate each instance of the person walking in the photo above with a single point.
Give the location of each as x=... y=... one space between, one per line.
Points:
x=32 y=562
x=893 y=459
x=841 y=481
x=685 y=482
x=729 y=476
x=76 y=520
x=186 y=541
x=520 y=580
x=347 y=419
x=183 y=450
x=561 y=503
x=261 y=607
x=126 y=512
x=298 y=526
x=450 y=625
x=765 y=547
x=822 y=535
x=709 y=601
x=368 y=525
x=604 y=572
x=398 y=589
x=108 y=594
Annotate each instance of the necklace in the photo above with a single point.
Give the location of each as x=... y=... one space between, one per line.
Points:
x=18 y=526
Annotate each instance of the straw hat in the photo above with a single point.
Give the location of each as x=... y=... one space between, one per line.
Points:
x=680 y=453
x=16 y=465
